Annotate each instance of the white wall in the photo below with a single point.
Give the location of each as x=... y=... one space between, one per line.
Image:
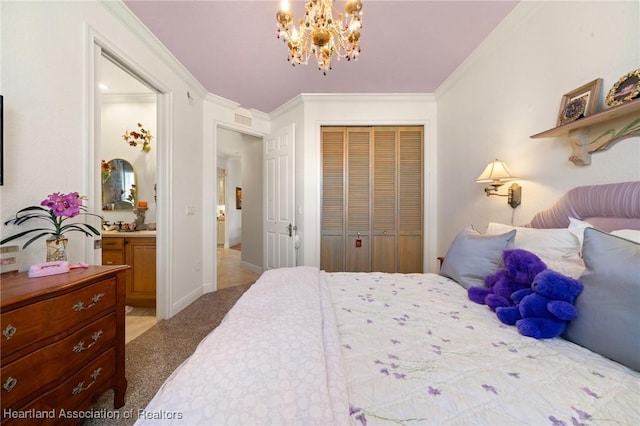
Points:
x=252 y=228
x=510 y=88
x=234 y=216
x=47 y=81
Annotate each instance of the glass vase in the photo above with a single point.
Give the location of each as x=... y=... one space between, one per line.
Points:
x=57 y=249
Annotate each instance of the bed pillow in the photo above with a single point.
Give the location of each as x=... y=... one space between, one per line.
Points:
x=573 y=266
x=577 y=227
x=472 y=256
x=550 y=243
x=629 y=234
x=608 y=322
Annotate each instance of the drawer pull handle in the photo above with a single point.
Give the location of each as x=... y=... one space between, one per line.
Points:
x=80 y=387
x=79 y=306
x=9 y=331
x=10 y=384
x=80 y=347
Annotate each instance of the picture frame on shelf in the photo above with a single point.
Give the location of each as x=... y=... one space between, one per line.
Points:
x=626 y=89
x=580 y=102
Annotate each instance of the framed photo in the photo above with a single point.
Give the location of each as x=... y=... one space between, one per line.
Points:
x=238 y=198
x=625 y=90
x=580 y=102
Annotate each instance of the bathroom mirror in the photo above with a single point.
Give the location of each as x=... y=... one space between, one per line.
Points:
x=118 y=185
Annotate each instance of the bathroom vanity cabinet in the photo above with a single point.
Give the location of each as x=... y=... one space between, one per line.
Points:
x=138 y=250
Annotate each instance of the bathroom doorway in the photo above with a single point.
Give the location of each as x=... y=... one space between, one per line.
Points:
x=127 y=139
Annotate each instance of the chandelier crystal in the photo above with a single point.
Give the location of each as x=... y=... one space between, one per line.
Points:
x=319 y=34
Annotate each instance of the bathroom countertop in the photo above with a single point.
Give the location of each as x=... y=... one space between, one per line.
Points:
x=114 y=234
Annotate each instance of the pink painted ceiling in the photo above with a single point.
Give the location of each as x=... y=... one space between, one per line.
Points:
x=231 y=48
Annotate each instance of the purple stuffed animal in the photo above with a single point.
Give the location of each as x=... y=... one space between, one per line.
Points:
x=519 y=270
x=543 y=310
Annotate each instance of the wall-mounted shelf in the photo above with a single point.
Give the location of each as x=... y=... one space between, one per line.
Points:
x=578 y=131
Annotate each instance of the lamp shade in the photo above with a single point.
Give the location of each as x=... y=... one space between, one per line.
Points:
x=496 y=172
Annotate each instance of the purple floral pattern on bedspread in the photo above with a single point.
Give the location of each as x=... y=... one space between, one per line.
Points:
x=417 y=352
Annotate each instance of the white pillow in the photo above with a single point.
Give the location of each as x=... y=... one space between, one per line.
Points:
x=572 y=266
x=577 y=227
x=628 y=234
x=548 y=244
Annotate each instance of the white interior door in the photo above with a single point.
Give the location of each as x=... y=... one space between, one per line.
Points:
x=279 y=226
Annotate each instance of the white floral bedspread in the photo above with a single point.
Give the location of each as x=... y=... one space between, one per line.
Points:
x=417 y=351
x=274 y=360
x=303 y=347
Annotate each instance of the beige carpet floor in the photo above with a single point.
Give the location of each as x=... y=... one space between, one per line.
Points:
x=155 y=354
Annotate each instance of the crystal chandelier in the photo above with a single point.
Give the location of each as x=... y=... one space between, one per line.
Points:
x=319 y=34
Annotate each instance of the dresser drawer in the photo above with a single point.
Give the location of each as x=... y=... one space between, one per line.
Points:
x=34 y=372
x=73 y=393
x=26 y=326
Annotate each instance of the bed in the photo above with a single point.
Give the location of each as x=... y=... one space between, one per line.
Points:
x=307 y=347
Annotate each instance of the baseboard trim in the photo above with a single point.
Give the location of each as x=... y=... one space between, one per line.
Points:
x=251 y=267
x=186 y=301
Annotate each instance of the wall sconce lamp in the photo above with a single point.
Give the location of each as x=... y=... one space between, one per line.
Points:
x=496 y=174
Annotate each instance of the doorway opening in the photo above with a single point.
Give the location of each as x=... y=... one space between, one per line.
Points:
x=239 y=208
x=127 y=106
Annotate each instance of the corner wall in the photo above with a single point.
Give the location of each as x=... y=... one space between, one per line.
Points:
x=510 y=88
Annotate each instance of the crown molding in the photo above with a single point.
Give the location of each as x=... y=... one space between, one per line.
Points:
x=367 y=97
x=133 y=24
x=287 y=106
x=221 y=102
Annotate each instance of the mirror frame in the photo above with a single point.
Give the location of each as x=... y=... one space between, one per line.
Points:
x=113 y=204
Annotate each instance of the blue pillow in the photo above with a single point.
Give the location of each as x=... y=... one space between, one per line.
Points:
x=608 y=321
x=472 y=256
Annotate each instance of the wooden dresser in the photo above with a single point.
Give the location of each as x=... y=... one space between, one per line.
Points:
x=62 y=343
